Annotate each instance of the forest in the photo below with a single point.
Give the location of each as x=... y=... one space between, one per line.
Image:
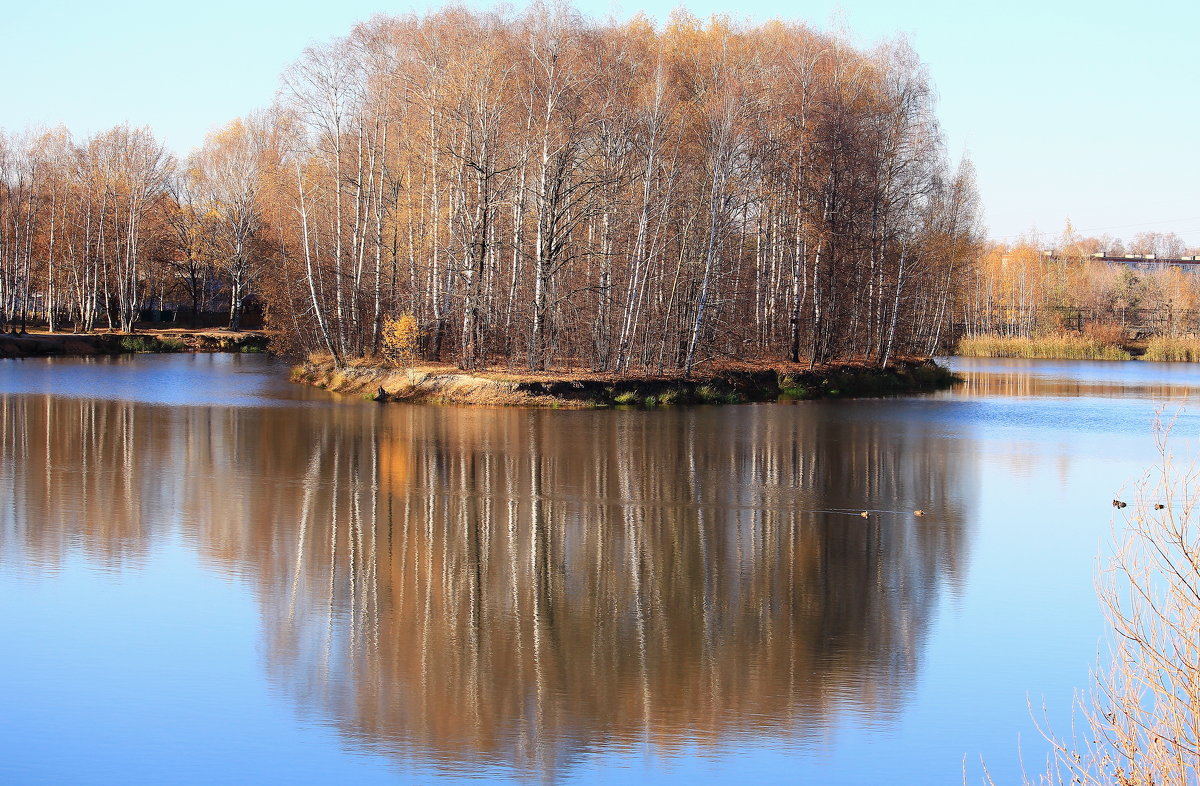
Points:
x=535 y=190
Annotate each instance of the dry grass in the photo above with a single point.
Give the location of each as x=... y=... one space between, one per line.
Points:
x=1064 y=346
x=1109 y=335
x=1183 y=349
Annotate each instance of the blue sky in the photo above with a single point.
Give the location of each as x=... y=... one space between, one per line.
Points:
x=1088 y=111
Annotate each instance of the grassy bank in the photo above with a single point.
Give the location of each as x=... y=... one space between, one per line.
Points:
x=1184 y=349
x=1058 y=347
x=79 y=345
x=1072 y=346
x=583 y=390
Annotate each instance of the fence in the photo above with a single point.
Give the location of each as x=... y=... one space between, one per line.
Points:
x=1136 y=322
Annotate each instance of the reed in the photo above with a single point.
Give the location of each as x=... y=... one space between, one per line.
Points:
x=1065 y=346
x=1181 y=349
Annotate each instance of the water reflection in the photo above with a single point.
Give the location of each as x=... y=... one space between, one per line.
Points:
x=989 y=378
x=479 y=587
x=990 y=385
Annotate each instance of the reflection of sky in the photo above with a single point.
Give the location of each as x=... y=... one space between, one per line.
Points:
x=1106 y=372
x=185 y=379
x=132 y=670
x=154 y=665
x=1025 y=627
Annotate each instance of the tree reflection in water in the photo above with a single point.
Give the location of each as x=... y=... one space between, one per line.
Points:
x=473 y=586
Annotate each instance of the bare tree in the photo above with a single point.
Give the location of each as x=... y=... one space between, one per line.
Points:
x=1142 y=718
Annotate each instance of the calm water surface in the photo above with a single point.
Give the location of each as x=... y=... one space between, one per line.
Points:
x=209 y=575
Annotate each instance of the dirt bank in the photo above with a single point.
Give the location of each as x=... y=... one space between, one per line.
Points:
x=726 y=386
x=69 y=344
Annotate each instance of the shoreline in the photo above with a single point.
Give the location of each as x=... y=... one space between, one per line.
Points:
x=40 y=344
x=582 y=390
x=1074 y=346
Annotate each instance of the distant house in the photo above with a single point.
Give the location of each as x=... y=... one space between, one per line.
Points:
x=1149 y=261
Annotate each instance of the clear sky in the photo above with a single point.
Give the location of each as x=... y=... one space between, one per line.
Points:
x=1080 y=110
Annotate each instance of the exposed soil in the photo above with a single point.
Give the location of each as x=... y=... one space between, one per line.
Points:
x=566 y=389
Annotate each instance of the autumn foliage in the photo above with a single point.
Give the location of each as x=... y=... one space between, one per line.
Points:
x=534 y=189
x=401 y=338
x=1034 y=288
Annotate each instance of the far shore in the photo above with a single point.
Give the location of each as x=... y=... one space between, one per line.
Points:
x=588 y=390
x=1083 y=346
x=39 y=343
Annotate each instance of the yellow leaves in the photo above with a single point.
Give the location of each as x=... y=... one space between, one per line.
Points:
x=229 y=134
x=682 y=24
x=401 y=338
x=640 y=26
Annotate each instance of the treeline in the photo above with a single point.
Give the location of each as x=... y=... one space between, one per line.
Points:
x=1035 y=288
x=536 y=190
x=93 y=233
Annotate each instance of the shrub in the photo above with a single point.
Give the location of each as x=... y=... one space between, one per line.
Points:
x=1105 y=334
x=401 y=340
x=795 y=392
x=136 y=344
x=710 y=394
x=143 y=344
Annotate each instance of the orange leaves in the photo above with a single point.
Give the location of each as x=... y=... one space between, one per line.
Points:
x=401 y=339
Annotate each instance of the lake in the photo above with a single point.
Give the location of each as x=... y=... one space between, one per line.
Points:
x=208 y=574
